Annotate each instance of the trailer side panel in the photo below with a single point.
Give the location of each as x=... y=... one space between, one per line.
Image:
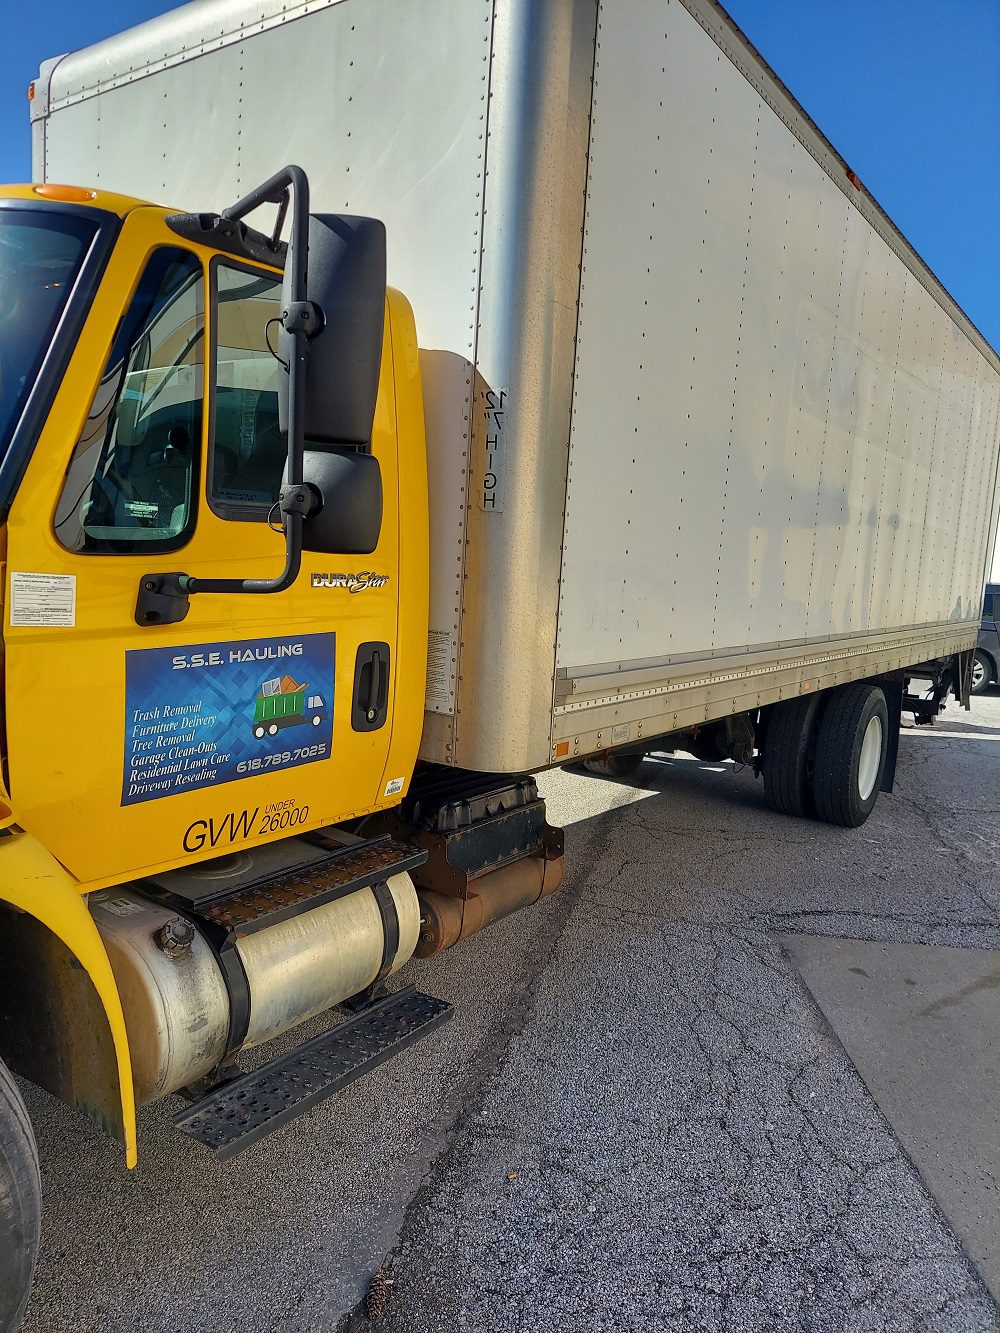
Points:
x=787 y=444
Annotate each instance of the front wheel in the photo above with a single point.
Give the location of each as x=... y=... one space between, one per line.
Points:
x=851 y=750
x=982 y=673
x=20 y=1203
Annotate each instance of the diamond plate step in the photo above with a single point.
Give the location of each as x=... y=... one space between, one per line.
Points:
x=238 y=1113
x=289 y=893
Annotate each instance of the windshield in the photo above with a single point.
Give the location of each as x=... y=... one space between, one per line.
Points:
x=40 y=256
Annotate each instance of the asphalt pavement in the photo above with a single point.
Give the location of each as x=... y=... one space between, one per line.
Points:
x=638 y=1119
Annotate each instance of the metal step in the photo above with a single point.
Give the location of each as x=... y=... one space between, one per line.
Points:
x=238 y=1113
x=276 y=897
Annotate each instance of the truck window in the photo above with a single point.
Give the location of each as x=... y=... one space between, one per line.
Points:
x=248 y=451
x=40 y=256
x=130 y=484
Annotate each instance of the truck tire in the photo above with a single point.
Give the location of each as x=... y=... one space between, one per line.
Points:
x=851 y=748
x=787 y=759
x=983 y=672
x=20 y=1204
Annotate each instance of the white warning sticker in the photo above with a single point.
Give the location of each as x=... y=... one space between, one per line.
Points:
x=121 y=906
x=43 y=599
x=394 y=787
x=440 y=671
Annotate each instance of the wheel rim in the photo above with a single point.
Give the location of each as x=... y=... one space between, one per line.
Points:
x=871 y=755
x=978 y=674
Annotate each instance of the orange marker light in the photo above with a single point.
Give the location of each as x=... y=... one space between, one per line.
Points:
x=562 y=749
x=67 y=194
x=31 y=91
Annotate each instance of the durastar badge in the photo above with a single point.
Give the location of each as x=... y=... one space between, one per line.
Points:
x=352 y=582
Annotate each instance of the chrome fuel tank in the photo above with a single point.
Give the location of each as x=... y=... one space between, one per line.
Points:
x=174 y=994
x=303 y=966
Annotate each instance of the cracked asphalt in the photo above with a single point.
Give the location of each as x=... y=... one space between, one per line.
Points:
x=638 y=1118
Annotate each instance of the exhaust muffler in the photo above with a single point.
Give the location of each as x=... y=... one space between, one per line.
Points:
x=447 y=919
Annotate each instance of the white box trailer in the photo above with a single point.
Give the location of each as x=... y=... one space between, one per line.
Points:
x=704 y=433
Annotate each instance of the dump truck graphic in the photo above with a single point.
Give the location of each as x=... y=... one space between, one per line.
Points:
x=281 y=703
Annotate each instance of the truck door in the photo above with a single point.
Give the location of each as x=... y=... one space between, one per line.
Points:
x=132 y=747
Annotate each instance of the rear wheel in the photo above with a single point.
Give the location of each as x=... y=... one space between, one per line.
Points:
x=982 y=672
x=851 y=749
x=20 y=1203
x=787 y=759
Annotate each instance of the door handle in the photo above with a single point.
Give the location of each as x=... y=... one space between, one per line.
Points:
x=374 y=685
x=370 y=700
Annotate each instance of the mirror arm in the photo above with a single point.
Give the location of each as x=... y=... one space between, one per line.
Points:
x=163 y=598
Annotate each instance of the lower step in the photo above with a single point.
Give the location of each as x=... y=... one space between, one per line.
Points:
x=236 y=1114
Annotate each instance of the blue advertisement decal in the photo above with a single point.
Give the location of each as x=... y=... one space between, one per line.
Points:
x=203 y=714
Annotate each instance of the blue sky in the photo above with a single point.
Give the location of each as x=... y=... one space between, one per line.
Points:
x=907 y=90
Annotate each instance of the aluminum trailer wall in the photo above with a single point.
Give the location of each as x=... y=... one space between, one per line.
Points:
x=805 y=427
x=702 y=430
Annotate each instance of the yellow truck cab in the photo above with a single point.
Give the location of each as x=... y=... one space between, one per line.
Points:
x=160 y=450
x=169 y=631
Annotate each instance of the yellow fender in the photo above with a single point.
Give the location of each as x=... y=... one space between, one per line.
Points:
x=32 y=880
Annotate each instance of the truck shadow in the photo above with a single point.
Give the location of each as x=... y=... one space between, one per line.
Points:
x=720 y=781
x=946 y=727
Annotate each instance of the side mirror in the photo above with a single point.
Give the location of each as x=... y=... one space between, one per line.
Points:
x=333 y=310
x=345 y=283
x=347 y=489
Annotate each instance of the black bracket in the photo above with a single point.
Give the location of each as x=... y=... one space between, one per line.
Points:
x=302 y=499
x=303 y=317
x=162 y=599
x=962 y=673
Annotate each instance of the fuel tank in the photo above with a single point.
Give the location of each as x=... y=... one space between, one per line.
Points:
x=174 y=993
